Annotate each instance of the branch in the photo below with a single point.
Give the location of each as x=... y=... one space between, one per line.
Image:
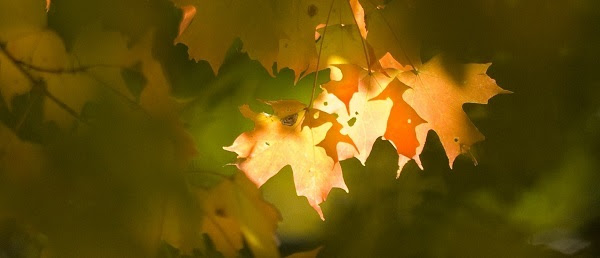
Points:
x=40 y=85
x=78 y=69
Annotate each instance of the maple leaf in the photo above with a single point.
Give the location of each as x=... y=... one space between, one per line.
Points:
x=235 y=206
x=307 y=141
x=302 y=19
x=402 y=123
x=438 y=98
x=20 y=18
x=12 y=81
x=230 y=213
x=283 y=32
x=306 y=254
x=342 y=44
x=299 y=20
x=388 y=31
x=157 y=101
x=214 y=25
x=342 y=36
x=45 y=51
x=354 y=98
x=20 y=161
x=69 y=79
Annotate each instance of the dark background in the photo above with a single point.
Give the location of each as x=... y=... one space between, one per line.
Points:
x=536 y=190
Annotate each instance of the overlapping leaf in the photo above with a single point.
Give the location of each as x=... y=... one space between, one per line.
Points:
x=370 y=105
x=156 y=100
x=389 y=31
x=268 y=30
x=281 y=32
x=371 y=45
x=69 y=80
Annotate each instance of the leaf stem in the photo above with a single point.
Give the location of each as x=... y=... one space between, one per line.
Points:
x=387 y=23
x=25 y=114
x=362 y=40
x=312 y=95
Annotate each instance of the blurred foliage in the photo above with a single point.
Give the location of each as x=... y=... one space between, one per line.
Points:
x=535 y=192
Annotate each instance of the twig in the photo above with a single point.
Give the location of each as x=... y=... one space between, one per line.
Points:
x=387 y=23
x=39 y=84
x=26 y=112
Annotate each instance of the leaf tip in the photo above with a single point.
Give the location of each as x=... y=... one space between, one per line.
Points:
x=189 y=11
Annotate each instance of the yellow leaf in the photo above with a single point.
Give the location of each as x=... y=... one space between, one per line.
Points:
x=307 y=141
x=21 y=18
x=229 y=213
x=438 y=98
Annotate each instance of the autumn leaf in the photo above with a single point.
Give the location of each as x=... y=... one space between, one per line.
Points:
x=45 y=57
x=232 y=213
x=237 y=206
x=20 y=161
x=304 y=140
x=69 y=80
x=401 y=124
x=388 y=31
x=342 y=44
x=348 y=97
x=12 y=81
x=299 y=20
x=281 y=32
x=438 y=98
x=20 y=18
x=306 y=254
x=370 y=105
x=216 y=24
x=341 y=36
x=268 y=29
x=157 y=101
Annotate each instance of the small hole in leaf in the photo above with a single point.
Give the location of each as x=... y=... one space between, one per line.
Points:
x=352 y=121
x=325 y=103
x=409 y=121
x=316 y=115
x=290 y=120
x=220 y=212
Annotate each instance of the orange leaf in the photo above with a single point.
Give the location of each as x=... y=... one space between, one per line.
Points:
x=401 y=124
